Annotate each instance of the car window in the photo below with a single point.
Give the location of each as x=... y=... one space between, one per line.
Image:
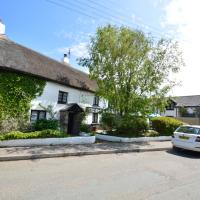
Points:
x=198 y=131
x=187 y=129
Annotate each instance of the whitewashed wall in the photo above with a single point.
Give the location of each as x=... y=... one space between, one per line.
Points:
x=169 y=113
x=50 y=97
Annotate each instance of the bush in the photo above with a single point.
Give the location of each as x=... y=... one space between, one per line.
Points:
x=9 y=124
x=165 y=125
x=151 y=133
x=132 y=126
x=43 y=124
x=85 y=128
x=109 y=121
x=31 y=135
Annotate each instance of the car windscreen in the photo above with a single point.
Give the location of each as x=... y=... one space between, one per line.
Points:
x=188 y=129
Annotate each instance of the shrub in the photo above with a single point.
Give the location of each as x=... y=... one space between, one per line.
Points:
x=9 y=124
x=36 y=134
x=165 y=125
x=85 y=128
x=132 y=126
x=109 y=121
x=151 y=133
x=43 y=124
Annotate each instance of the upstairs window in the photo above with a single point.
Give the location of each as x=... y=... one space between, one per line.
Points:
x=62 y=97
x=37 y=114
x=96 y=101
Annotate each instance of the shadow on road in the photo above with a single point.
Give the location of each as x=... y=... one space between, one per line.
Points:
x=184 y=153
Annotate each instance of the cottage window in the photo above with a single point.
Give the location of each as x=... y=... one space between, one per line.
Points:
x=62 y=97
x=95 y=118
x=37 y=114
x=96 y=101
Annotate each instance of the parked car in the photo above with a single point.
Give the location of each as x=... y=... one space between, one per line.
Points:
x=187 y=137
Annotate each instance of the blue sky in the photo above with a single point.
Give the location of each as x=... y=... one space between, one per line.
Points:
x=51 y=29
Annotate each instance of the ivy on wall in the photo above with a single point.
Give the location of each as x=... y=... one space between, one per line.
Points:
x=16 y=93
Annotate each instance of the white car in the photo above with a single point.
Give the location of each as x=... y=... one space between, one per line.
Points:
x=187 y=137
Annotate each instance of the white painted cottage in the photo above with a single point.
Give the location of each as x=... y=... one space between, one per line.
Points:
x=67 y=89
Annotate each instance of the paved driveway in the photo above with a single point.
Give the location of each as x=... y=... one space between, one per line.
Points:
x=151 y=175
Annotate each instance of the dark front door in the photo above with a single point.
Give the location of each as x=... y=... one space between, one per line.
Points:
x=71 y=123
x=71 y=119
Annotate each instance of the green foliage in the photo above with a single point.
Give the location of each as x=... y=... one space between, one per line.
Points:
x=85 y=128
x=16 y=93
x=197 y=112
x=43 y=124
x=31 y=135
x=132 y=126
x=151 y=133
x=131 y=69
x=165 y=125
x=109 y=120
x=183 y=112
x=8 y=124
x=49 y=109
x=83 y=115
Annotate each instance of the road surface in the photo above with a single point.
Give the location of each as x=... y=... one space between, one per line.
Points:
x=150 y=176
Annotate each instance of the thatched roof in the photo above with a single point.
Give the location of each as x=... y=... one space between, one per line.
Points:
x=16 y=57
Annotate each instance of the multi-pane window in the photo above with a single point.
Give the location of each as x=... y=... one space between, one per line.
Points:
x=37 y=114
x=96 y=101
x=94 y=117
x=62 y=97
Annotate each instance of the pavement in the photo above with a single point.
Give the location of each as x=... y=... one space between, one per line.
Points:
x=24 y=153
x=158 y=175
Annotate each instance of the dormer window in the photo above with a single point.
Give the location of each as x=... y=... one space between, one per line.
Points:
x=96 y=101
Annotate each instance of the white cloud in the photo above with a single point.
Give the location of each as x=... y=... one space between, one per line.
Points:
x=78 y=50
x=75 y=37
x=183 y=17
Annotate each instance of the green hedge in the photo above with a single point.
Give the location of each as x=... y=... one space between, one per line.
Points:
x=165 y=125
x=132 y=126
x=36 y=134
x=43 y=124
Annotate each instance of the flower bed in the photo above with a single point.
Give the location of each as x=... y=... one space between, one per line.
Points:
x=41 y=138
x=32 y=135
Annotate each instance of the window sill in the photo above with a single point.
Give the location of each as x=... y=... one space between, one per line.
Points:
x=63 y=103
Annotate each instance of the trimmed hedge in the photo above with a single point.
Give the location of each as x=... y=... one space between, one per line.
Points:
x=43 y=124
x=133 y=126
x=165 y=125
x=36 y=134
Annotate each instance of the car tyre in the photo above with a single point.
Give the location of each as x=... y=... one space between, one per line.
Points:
x=175 y=148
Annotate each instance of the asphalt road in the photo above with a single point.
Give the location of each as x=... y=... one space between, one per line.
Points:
x=151 y=175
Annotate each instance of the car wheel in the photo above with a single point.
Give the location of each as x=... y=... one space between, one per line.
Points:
x=175 y=148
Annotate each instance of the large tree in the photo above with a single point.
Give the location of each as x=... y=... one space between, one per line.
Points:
x=131 y=69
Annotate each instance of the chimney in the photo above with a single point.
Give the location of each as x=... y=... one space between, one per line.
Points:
x=2 y=28
x=65 y=59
